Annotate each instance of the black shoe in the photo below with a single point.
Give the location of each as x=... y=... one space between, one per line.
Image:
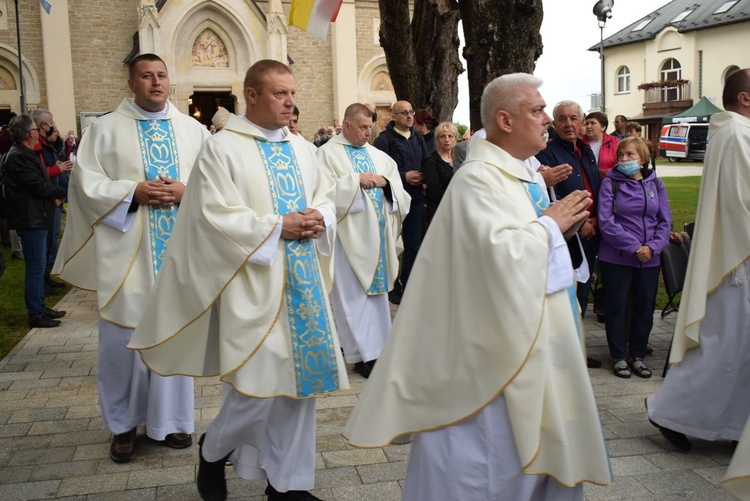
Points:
x=122 y=447
x=53 y=284
x=675 y=438
x=43 y=322
x=274 y=495
x=394 y=296
x=178 y=440
x=53 y=314
x=363 y=369
x=593 y=364
x=212 y=484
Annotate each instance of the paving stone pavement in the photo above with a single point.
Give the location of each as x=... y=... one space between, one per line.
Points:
x=54 y=445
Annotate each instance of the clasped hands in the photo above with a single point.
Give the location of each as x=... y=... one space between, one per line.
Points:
x=570 y=213
x=371 y=180
x=163 y=192
x=302 y=225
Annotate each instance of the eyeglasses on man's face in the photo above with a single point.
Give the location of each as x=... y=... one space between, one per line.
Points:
x=405 y=113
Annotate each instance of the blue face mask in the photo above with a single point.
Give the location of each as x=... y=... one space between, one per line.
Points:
x=628 y=168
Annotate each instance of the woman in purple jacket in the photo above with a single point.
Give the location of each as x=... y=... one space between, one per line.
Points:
x=635 y=222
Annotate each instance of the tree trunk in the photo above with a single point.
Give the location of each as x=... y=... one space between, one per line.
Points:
x=422 y=56
x=500 y=35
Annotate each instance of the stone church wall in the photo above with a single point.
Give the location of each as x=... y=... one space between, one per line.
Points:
x=31 y=42
x=101 y=36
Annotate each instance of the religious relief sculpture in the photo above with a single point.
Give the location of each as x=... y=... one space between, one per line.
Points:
x=209 y=51
x=381 y=82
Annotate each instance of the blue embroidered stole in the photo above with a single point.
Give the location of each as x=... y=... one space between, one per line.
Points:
x=361 y=162
x=539 y=198
x=156 y=140
x=315 y=365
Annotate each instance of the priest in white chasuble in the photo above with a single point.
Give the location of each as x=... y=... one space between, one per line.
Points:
x=485 y=365
x=371 y=205
x=247 y=293
x=706 y=393
x=125 y=188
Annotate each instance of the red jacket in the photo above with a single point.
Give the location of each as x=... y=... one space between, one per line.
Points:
x=608 y=153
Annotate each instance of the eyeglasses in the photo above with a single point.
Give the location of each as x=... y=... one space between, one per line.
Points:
x=406 y=113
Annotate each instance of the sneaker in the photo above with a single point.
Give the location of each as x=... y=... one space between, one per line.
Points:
x=212 y=484
x=43 y=322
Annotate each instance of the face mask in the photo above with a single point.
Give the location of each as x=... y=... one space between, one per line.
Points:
x=71 y=136
x=628 y=168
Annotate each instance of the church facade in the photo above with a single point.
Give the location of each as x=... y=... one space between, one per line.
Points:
x=74 y=59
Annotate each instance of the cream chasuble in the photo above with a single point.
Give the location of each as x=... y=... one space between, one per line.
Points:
x=116 y=152
x=721 y=241
x=446 y=359
x=737 y=479
x=371 y=236
x=264 y=328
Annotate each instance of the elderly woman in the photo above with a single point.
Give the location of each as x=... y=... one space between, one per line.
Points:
x=438 y=168
x=635 y=223
x=602 y=144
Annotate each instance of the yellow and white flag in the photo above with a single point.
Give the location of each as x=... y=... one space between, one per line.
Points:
x=314 y=16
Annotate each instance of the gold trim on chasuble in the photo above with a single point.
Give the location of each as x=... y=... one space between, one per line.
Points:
x=361 y=162
x=159 y=154
x=540 y=200
x=315 y=366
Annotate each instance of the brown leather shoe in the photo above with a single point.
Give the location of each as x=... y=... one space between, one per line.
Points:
x=178 y=440
x=122 y=447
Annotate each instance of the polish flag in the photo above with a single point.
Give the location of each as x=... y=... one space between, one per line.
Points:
x=314 y=16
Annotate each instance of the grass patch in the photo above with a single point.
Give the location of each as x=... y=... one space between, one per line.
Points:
x=683 y=201
x=13 y=319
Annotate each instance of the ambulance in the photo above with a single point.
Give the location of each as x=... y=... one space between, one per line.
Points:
x=684 y=140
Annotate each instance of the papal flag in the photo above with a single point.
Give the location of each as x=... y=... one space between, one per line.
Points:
x=314 y=16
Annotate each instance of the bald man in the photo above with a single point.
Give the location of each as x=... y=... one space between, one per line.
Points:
x=407 y=148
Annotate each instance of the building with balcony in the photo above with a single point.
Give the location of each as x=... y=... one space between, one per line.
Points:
x=665 y=62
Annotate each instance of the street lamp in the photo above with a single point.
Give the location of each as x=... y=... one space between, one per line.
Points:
x=20 y=62
x=603 y=11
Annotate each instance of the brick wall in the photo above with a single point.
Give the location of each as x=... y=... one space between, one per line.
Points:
x=31 y=43
x=101 y=35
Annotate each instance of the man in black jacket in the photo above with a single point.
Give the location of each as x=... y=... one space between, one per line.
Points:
x=407 y=148
x=31 y=199
x=567 y=148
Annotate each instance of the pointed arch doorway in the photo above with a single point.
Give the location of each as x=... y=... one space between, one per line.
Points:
x=202 y=105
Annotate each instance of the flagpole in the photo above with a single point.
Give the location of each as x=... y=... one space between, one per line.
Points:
x=20 y=62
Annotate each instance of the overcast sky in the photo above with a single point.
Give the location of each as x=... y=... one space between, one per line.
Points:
x=568 y=68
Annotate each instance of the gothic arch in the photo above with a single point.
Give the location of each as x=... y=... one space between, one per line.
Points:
x=239 y=27
x=374 y=84
x=9 y=62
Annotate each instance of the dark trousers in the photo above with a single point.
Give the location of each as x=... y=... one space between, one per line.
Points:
x=411 y=233
x=590 y=249
x=34 y=242
x=639 y=285
x=53 y=237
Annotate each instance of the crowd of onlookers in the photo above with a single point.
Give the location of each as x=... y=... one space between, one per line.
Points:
x=627 y=230
x=35 y=165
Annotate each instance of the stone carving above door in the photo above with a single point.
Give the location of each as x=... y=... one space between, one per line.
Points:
x=209 y=51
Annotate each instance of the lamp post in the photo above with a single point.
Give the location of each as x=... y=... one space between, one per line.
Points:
x=602 y=11
x=20 y=62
